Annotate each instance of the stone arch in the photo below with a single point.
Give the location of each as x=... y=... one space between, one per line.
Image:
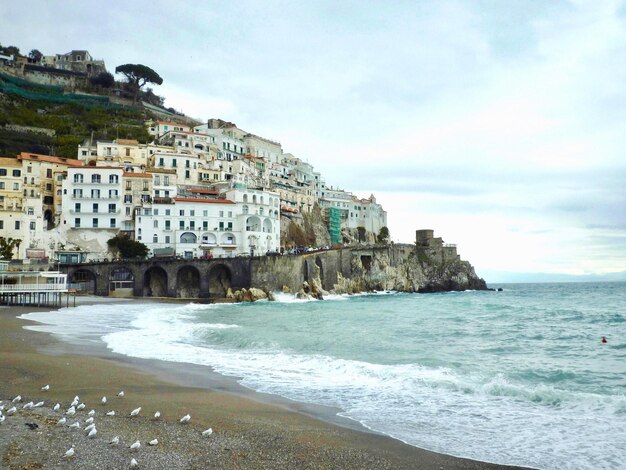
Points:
x=209 y=238
x=188 y=237
x=220 y=279
x=121 y=282
x=84 y=280
x=253 y=224
x=155 y=282
x=188 y=282
x=267 y=226
x=48 y=219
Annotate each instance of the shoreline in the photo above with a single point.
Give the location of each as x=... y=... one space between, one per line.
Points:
x=305 y=430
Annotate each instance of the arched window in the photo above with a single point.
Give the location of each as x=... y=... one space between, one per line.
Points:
x=188 y=237
x=245 y=198
x=254 y=199
x=244 y=209
x=261 y=201
x=155 y=238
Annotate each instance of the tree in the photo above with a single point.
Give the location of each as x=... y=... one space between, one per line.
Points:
x=6 y=247
x=10 y=50
x=35 y=56
x=383 y=235
x=138 y=75
x=361 y=233
x=126 y=247
x=103 y=79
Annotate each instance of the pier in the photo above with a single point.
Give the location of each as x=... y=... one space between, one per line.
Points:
x=33 y=288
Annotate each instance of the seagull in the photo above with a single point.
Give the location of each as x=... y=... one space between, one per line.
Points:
x=115 y=441
x=45 y=388
x=62 y=421
x=76 y=398
x=81 y=406
x=38 y=404
x=133 y=463
x=135 y=445
x=185 y=419
x=71 y=411
x=28 y=405
x=153 y=442
x=75 y=425
x=92 y=433
x=56 y=407
x=111 y=413
x=91 y=413
x=104 y=400
x=207 y=433
x=74 y=402
x=157 y=415
x=11 y=411
x=121 y=394
x=90 y=427
x=89 y=420
x=135 y=412
x=70 y=452
x=2 y=418
x=17 y=399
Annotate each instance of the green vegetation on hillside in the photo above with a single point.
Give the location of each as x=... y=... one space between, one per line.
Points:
x=73 y=123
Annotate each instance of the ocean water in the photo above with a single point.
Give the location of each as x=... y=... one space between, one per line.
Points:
x=514 y=377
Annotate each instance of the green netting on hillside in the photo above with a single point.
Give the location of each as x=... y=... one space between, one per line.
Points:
x=334 y=225
x=20 y=82
x=51 y=94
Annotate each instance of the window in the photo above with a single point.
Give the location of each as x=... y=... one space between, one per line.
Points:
x=95 y=178
x=167 y=225
x=145 y=186
x=127 y=210
x=230 y=213
x=155 y=212
x=221 y=213
x=187 y=164
x=95 y=207
x=49 y=173
x=48 y=186
x=192 y=212
x=157 y=180
x=161 y=161
x=31 y=211
x=77 y=223
x=174 y=162
x=155 y=224
x=182 y=212
x=205 y=213
x=167 y=212
x=181 y=225
x=32 y=225
x=1 y=224
x=113 y=193
x=113 y=223
x=205 y=225
x=1 y=184
x=112 y=209
x=77 y=207
x=166 y=180
x=95 y=193
x=128 y=199
x=16 y=187
x=78 y=178
x=29 y=169
x=187 y=174
x=192 y=225
x=94 y=223
x=167 y=238
x=17 y=173
x=114 y=179
x=155 y=239
x=129 y=185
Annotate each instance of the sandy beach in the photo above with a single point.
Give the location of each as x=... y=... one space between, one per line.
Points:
x=250 y=430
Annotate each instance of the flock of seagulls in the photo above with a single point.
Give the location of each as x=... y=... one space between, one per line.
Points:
x=90 y=430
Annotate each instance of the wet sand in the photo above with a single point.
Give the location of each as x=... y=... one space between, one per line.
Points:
x=251 y=430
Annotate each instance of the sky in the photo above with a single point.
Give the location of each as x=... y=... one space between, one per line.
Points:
x=499 y=124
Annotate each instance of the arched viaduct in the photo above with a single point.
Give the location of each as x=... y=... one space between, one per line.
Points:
x=212 y=278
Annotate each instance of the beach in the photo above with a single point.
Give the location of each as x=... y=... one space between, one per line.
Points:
x=250 y=430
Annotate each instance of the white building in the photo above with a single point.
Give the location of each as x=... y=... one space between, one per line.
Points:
x=239 y=222
x=367 y=213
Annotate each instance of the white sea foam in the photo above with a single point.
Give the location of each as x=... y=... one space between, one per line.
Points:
x=478 y=414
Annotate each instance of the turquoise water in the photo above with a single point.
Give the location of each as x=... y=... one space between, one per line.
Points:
x=518 y=377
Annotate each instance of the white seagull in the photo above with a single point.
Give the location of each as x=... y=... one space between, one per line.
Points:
x=74 y=402
x=121 y=394
x=76 y=398
x=104 y=400
x=92 y=433
x=153 y=442
x=115 y=441
x=89 y=420
x=90 y=427
x=70 y=452
x=2 y=418
x=185 y=419
x=45 y=388
x=62 y=421
x=133 y=463
x=135 y=445
x=81 y=406
x=57 y=407
x=38 y=404
x=91 y=413
x=17 y=399
x=71 y=411
x=28 y=405
x=135 y=412
x=157 y=415
x=75 y=425
x=207 y=433
x=11 y=410
x=111 y=413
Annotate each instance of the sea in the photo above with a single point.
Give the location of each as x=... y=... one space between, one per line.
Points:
x=519 y=376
